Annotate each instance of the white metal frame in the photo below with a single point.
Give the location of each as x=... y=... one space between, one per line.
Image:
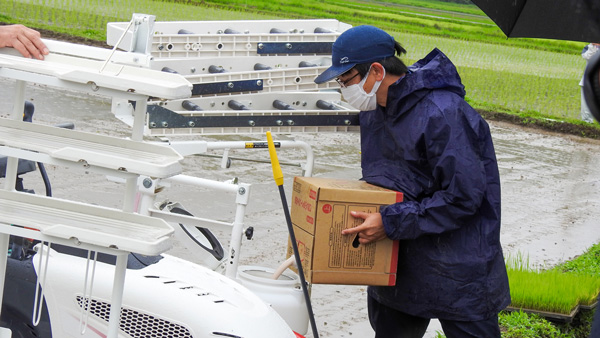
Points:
x=84 y=75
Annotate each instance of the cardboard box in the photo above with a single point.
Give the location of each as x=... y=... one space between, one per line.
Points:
x=320 y=211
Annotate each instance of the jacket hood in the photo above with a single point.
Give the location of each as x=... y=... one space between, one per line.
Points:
x=434 y=71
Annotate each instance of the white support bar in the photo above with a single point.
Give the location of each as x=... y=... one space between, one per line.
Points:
x=188 y=220
x=187 y=148
x=204 y=183
x=100 y=54
x=236 y=238
x=116 y=299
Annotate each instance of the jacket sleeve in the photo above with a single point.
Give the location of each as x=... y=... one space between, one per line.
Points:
x=452 y=155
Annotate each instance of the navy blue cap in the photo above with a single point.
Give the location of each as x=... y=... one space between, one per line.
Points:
x=360 y=44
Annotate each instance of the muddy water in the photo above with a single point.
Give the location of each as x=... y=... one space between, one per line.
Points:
x=551 y=193
x=550 y=187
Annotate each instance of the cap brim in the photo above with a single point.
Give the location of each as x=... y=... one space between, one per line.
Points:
x=333 y=72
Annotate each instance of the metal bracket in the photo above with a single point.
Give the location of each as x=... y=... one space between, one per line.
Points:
x=294 y=47
x=161 y=117
x=142 y=33
x=227 y=87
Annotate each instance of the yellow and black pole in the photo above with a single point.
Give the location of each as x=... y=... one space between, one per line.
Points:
x=278 y=176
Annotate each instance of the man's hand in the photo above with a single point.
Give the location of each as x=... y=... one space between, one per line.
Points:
x=26 y=40
x=370 y=231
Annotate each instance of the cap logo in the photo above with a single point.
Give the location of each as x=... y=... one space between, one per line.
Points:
x=344 y=60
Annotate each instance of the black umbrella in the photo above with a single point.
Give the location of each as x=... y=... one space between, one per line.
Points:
x=575 y=20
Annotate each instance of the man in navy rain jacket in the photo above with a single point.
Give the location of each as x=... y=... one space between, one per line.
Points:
x=420 y=137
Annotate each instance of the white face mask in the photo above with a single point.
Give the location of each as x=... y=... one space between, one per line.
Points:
x=358 y=98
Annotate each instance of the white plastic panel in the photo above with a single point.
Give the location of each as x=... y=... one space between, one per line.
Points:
x=277 y=80
x=85 y=223
x=95 y=150
x=201 y=66
x=80 y=70
x=291 y=73
x=227 y=38
x=249 y=130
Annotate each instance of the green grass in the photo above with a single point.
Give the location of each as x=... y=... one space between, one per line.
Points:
x=89 y=18
x=517 y=79
x=441 y=19
x=518 y=324
x=522 y=325
x=441 y=23
x=588 y=262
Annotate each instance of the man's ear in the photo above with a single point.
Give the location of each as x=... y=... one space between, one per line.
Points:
x=378 y=70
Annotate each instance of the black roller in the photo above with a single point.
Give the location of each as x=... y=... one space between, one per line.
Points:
x=169 y=70
x=261 y=66
x=189 y=105
x=323 y=30
x=236 y=105
x=184 y=31
x=304 y=64
x=282 y=105
x=28 y=110
x=326 y=105
x=216 y=69
x=231 y=31
x=277 y=31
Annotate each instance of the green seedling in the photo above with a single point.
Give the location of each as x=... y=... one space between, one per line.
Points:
x=549 y=290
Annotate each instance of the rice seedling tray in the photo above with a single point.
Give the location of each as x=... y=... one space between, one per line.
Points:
x=588 y=307
x=553 y=316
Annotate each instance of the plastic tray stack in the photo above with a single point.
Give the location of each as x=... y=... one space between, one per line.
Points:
x=247 y=76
